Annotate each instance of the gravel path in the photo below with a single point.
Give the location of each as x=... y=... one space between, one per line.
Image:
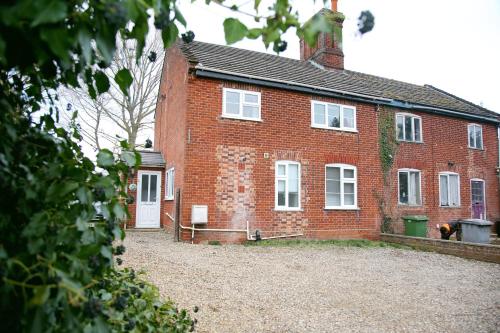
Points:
x=322 y=289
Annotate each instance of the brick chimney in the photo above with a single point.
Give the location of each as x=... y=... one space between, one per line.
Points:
x=328 y=49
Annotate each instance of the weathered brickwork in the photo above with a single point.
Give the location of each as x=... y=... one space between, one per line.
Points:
x=229 y=164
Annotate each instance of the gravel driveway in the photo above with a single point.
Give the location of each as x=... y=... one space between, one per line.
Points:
x=321 y=289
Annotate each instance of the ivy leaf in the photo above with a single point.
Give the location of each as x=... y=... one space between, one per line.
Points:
x=84 y=39
x=105 y=158
x=52 y=11
x=179 y=17
x=256 y=5
x=254 y=33
x=234 y=30
x=124 y=79
x=101 y=82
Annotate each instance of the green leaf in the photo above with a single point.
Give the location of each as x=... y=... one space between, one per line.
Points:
x=256 y=5
x=105 y=158
x=234 y=30
x=119 y=211
x=101 y=82
x=254 y=33
x=57 y=41
x=129 y=158
x=41 y=294
x=124 y=79
x=106 y=252
x=169 y=35
x=84 y=39
x=179 y=17
x=52 y=11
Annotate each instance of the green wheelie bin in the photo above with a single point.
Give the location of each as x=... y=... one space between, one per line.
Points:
x=416 y=225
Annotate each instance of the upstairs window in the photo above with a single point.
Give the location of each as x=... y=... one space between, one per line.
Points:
x=333 y=116
x=408 y=128
x=449 y=189
x=241 y=104
x=169 y=184
x=475 y=136
x=409 y=187
x=340 y=186
x=287 y=185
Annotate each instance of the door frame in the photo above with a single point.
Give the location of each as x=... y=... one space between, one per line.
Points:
x=484 y=195
x=138 y=201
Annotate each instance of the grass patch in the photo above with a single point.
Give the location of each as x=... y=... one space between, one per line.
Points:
x=361 y=243
x=214 y=242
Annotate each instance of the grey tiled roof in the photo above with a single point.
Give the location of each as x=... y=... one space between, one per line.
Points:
x=151 y=158
x=263 y=66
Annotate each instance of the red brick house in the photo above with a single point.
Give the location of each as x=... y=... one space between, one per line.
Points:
x=289 y=146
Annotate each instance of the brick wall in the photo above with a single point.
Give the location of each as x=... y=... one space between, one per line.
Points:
x=483 y=252
x=229 y=164
x=171 y=131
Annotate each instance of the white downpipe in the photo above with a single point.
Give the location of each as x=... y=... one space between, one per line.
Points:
x=498 y=131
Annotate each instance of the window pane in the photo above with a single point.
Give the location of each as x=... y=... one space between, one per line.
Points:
x=399 y=127
x=348 y=194
x=293 y=171
x=281 y=170
x=471 y=136
x=348 y=173
x=454 y=192
x=443 y=188
x=348 y=199
x=281 y=193
x=408 y=132
x=403 y=187
x=332 y=186
x=152 y=193
x=319 y=114
x=293 y=185
x=415 y=188
x=333 y=199
x=232 y=108
x=144 y=188
x=333 y=115
x=348 y=118
x=250 y=98
x=479 y=137
x=333 y=173
x=293 y=199
x=250 y=111
x=232 y=97
x=416 y=122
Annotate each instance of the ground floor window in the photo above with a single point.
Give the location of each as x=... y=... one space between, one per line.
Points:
x=340 y=186
x=409 y=187
x=169 y=184
x=287 y=185
x=449 y=189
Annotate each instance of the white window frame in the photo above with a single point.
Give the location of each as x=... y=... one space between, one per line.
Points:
x=420 y=186
x=448 y=174
x=242 y=102
x=484 y=193
x=325 y=125
x=404 y=115
x=169 y=184
x=342 y=182
x=285 y=178
x=474 y=127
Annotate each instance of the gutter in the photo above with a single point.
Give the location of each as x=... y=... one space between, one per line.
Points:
x=213 y=73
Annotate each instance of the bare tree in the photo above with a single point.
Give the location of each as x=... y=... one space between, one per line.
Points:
x=111 y=115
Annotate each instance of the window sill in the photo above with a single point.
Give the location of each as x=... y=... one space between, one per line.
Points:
x=258 y=120
x=342 y=208
x=340 y=129
x=474 y=148
x=406 y=141
x=451 y=207
x=288 y=210
x=409 y=206
x=169 y=199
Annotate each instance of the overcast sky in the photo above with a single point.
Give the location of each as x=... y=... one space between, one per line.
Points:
x=451 y=44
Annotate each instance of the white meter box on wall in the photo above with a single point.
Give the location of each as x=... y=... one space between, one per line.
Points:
x=199 y=214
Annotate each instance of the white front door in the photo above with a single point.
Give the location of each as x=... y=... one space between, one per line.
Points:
x=148 y=199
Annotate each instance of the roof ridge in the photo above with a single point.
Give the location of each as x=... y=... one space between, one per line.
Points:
x=460 y=99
